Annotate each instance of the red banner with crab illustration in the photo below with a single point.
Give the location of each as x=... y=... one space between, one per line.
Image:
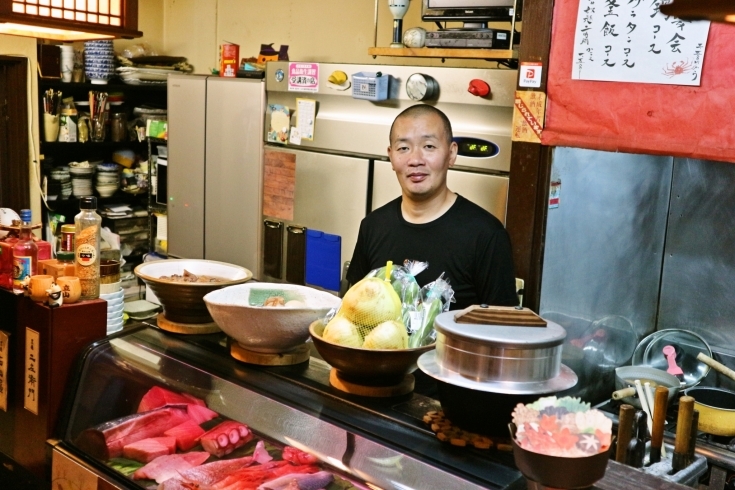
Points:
x=685 y=121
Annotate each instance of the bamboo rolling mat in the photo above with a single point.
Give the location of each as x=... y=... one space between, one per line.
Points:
x=500 y=315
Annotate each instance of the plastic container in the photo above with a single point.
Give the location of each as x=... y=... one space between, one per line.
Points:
x=370 y=86
x=109 y=271
x=87 y=243
x=67 y=238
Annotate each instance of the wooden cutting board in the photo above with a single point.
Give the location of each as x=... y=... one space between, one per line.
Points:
x=500 y=315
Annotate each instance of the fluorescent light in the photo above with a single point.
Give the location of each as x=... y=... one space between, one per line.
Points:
x=49 y=33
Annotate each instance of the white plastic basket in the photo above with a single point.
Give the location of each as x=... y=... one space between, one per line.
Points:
x=370 y=86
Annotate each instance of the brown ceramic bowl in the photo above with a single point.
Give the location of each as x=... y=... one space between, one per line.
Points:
x=183 y=301
x=379 y=367
x=558 y=472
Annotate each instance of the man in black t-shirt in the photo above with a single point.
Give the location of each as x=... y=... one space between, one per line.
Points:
x=430 y=223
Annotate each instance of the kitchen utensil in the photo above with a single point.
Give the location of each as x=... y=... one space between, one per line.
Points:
x=670 y=354
x=183 y=301
x=625 y=378
x=716 y=408
x=660 y=405
x=693 y=436
x=370 y=367
x=623 y=393
x=269 y=329
x=683 y=433
x=644 y=404
x=687 y=345
x=626 y=418
x=637 y=444
x=717 y=366
x=559 y=472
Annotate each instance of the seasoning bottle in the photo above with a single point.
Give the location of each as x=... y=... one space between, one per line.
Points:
x=67 y=238
x=25 y=253
x=67 y=260
x=117 y=126
x=87 y=243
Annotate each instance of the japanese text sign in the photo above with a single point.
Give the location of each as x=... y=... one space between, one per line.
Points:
x=303 y=77
x=528 y=116
x=30 y=397
x=631 y=41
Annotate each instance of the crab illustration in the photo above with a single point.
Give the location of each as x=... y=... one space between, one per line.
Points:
x=677 y=68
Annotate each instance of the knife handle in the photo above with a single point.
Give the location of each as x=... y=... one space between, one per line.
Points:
x=625 y=431
x=683 y=432
x=693 y=437
x=660 y=405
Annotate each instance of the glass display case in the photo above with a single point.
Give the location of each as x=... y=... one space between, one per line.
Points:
x=360 y=442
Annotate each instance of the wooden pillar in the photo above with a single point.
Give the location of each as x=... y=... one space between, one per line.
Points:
x=530 y=166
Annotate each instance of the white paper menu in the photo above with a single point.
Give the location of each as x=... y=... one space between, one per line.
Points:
x=631 y=41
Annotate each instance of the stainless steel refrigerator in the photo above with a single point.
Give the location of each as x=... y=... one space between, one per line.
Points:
x=322 y=187
x=215 y=162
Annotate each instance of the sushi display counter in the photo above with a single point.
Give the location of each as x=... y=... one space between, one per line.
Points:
x=145 y=393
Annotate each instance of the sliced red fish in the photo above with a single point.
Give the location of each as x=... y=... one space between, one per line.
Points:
x=164 y=467
x=201 y=414
x=250 y=478
x=107 y=440
x=186 y=434
x=146 y=450
x=225 y=438
x=157 y=397
x=206 y=474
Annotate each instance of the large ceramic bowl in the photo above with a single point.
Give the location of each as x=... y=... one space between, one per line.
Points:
x=379 y=367
x=238 y=311
x=183 y=301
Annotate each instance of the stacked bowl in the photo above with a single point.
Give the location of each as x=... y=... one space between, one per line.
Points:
x=108 y=179
x=99 y=61
x=81 y=178
x=61 y=176
x=115 y=307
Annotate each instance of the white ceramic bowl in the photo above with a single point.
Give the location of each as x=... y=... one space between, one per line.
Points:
x=116 y=309
x=113 y=287
x=268 y=329
x=112 y=296
x=182 y=301
x=114 y=302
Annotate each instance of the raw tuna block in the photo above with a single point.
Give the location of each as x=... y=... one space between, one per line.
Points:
x=225 y=438
x=164 y=467
x=146 y=450
x=107 y=440
x=186 y=434
x=157 y=397
x=200 y=414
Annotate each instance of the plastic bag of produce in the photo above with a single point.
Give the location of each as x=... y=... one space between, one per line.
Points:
x=382 y=309
x=435 y=298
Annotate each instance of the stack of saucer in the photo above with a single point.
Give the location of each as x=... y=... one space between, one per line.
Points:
x=60 y=177
x=81 y=180
x=115 y=307
x=99 y=61
x=108 y=179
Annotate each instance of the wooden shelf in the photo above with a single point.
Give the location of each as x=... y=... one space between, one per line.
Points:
x=466 y=53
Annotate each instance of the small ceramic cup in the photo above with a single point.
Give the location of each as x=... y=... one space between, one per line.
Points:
x=50 y=127
x=71 y=288
x=38 y=286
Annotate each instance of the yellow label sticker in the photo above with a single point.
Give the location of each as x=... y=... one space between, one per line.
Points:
x=529 y=110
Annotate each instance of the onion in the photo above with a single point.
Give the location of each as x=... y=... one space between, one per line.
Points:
x=370 y=302
x=341 y=331
x=387 y=335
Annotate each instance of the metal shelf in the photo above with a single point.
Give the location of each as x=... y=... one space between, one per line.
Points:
x=466 y=53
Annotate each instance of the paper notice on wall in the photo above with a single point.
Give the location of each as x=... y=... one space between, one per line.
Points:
x=528 y=116
x=279 y=184
x=4 y=351
x=634 y=42
x=305 y=117
x=303 y=77
x=32 y=371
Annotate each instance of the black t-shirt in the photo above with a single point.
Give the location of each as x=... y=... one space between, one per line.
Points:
x=467 y=243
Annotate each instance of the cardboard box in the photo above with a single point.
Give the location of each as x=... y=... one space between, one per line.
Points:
x=229 y=54
x=53 y=267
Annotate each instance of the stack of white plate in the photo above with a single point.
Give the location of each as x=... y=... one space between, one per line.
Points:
x=81 y=180
x=61 y=175
x=108 y=179
x=115 y=308
x=99 y=61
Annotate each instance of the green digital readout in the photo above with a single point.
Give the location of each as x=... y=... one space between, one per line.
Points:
x=477 y=148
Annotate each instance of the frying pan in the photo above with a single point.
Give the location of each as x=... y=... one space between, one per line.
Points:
x=716 y=409
x=625 y=377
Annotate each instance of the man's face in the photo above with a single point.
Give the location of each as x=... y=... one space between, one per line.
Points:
x=420 y=155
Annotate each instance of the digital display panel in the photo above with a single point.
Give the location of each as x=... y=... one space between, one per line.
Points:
x=476 y=148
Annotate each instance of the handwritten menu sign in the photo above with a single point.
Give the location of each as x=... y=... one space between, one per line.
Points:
x=4 y=349
x=631 y=41
x=30 y=398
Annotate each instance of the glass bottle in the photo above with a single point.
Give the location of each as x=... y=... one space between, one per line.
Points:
x=87 y=247
x=25 y=253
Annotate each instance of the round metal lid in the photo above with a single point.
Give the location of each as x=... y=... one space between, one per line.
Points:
x=565 y=380
x=686 y=344
x=506 y=336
